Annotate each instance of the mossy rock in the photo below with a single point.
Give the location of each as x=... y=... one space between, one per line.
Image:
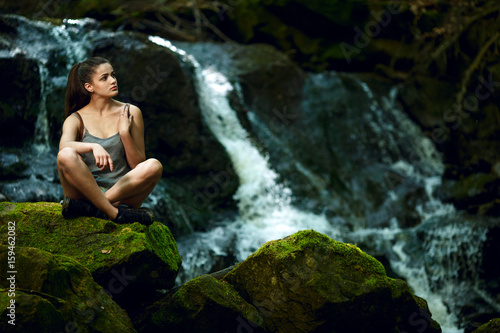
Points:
x=469 y=186
x=309 y=282
x=55 y=294
x=203 y=304
x=493 y=326
x=129 y=260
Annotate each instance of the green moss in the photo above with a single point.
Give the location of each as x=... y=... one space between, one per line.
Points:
x=149 y=253
x=351 y=256
x=469 y=186
x=307 y=279
x=203 y=304
x=59 y=290
x=493 y=326
x=164 y=245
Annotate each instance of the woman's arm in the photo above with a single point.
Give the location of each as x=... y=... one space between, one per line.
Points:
x=70 y=129
x=131 y=128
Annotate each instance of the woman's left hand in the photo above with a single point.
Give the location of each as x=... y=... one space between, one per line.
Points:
x=125 y=121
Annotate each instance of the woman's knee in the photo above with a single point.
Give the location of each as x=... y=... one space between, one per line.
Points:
x=66 y=156
x=153 y=169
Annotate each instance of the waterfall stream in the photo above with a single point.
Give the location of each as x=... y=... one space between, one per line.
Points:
x=266 y=212
x=438 y=256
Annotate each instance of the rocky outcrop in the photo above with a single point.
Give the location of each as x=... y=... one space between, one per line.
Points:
x=309 y=282
x=54 y=293
x=19 y=99
x=130 y=261
x=493 y=326
x=203 y=304
x=306 y=282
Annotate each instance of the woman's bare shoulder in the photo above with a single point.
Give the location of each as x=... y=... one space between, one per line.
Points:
x=134 y=110
x=72 y=119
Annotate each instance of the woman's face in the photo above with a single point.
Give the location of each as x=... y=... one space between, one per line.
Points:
x=104 y=82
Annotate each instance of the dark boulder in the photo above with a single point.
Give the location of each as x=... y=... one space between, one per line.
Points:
x=203 y=304
x=308 y=282
x=19 y=100
x=130 y=261
x=54 y=293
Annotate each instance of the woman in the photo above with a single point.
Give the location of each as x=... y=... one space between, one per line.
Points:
x=101 y=162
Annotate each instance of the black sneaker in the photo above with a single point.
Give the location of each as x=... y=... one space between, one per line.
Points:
x=129 y=215
x=73 y=208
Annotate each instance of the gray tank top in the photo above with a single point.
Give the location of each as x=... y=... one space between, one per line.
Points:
x=114 y=146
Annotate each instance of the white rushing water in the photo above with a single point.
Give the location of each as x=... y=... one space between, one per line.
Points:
x=264 y=205
x=40 y=41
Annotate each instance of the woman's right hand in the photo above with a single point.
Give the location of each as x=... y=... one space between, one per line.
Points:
x=102 y=157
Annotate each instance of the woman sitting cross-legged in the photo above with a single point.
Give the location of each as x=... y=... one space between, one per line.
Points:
x=101 y=162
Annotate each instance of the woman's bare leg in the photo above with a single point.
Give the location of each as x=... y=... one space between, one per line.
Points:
x=78 y=183
x=133 y=188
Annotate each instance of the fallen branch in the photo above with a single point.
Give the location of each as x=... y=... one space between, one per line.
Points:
x=475 y=64
x=450 y=41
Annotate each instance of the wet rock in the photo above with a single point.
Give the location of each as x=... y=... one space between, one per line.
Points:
x=476 y=193
x=308 y=282
x=339 y=153
x=54 y=293
x=460 y=249
x=130 y=261
x=490 y=271
x=28 y=190
x=12 y=165
x=203 y=304
x=19 y=100
x=493 y=326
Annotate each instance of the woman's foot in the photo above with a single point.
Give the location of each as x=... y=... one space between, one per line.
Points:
x=129 y=215
x=74 y=208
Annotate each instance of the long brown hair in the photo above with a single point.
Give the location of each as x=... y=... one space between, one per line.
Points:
x=76 y=94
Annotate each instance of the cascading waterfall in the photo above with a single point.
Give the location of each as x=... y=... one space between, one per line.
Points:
x=438 y=257
x=264 y=205
x=73 y=49
x=48 y=45
x=266 y=212
x=41 y=141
